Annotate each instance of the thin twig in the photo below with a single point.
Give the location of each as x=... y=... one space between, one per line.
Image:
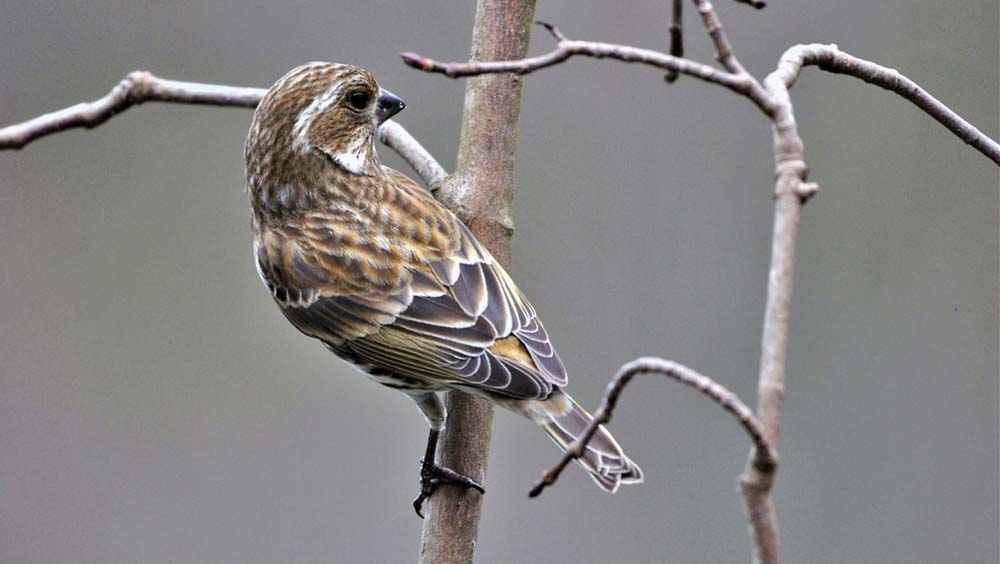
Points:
x=723 y=50
x=832 y=59
x=726 y=56
x=676 y=36
x=826 y=57
x=566 y=48
x=136 y=88
x=768 y=458
x=143 y=86
x=759 y=4
x=397 y=138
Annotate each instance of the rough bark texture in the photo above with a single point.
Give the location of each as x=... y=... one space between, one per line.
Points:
x=481 y=192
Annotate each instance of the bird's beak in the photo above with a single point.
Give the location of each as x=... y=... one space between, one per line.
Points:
x=387 y=105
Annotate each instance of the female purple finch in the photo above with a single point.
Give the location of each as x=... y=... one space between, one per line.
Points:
x=362 y=258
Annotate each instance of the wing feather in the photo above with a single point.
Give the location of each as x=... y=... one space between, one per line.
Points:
x=434 y=314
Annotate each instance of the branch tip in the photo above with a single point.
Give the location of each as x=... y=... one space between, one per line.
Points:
x=416 y=61
x=553 y=30
x=676 y=34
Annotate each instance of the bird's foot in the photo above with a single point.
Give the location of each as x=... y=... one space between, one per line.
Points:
x=432 y=476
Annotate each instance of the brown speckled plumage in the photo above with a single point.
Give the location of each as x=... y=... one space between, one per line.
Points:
x=362 y=258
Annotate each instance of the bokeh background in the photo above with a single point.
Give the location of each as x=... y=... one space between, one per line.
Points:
x=155 y=406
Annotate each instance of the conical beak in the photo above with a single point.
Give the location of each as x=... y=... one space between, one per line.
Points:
x=388 y=105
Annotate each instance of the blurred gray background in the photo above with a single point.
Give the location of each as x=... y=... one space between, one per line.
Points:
x=155 y=406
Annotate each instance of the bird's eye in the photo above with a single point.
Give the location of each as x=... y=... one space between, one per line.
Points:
x=358 y=99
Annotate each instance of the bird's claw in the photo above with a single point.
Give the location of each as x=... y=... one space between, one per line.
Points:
x=432 y=476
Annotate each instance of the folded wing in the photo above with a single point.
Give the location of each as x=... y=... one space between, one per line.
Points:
x=432 y=316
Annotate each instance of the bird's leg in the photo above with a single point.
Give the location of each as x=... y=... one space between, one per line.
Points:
x=432 y=475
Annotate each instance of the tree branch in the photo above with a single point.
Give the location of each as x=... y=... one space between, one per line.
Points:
x=143 y=86
x=792 y=190
x=566 y=48
x=713 y=26
x=481 y=192
x=136 y=88
x=832 y=59
x=397 y=138
x=759 y=4
x=826 y=57
x=767 y=458
x=756 y=481
x=676 y=30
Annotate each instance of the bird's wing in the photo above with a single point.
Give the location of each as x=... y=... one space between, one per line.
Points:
x=456 y=319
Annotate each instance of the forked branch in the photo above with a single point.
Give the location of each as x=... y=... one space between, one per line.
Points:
x=791 y=191
x=566 y=48
x=766 y=458
x=831 y=59
x=734 y=77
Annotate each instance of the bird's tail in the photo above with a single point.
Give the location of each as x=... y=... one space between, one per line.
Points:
x=565 y=420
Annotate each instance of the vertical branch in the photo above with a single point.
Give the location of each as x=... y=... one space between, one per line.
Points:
x=790 y=192
x=676 y=36
x=481 y=192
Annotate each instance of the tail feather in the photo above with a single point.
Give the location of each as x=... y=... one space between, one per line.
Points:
x=565 y=421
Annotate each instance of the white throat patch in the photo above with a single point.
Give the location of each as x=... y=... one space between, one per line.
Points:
x=354 y=158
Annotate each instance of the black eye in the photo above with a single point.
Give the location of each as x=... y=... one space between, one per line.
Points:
x=358 y=99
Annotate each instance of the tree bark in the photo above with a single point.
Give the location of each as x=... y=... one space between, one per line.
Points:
x=481 y=193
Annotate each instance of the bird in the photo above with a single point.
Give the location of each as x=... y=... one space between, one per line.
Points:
x=367 y=261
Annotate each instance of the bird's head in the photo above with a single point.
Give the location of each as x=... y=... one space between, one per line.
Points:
x=322 y=111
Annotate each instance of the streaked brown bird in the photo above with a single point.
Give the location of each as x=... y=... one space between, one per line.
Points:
x=362 y=258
